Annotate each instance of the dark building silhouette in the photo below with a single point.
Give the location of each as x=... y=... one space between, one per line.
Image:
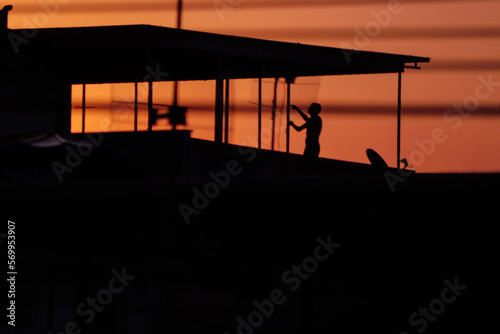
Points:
x=166 y=233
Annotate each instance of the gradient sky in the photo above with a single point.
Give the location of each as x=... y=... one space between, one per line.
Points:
x=461 y=37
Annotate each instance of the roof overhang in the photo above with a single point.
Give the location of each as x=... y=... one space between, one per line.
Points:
x=139 y=53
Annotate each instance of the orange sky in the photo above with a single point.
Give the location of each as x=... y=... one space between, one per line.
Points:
x=461 y=37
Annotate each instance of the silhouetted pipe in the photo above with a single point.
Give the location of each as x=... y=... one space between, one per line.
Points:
x=136 y=107
x=176 y=83
x=260 y=113
x=150 y=106
x=219 y=108
x=226 y=114
x=287 y=116
x=4 y=15
x=399 y=121
x=179 y=13
x=274 y=112
x=84 y=106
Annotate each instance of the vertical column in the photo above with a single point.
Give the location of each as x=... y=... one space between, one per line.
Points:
x=176 y=92
x=274 y=111
x=287 y=116
x=179 y=13
x=399 y=121
x=219 y=108
x=84 y=93
x=136 y=107
x=260 y=113
x=151 y=113
x=226 y=114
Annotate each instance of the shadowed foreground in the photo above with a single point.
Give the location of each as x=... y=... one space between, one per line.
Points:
x=369 y=258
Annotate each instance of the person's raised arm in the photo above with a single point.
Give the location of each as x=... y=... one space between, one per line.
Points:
x=298 y=128
x=304 y=116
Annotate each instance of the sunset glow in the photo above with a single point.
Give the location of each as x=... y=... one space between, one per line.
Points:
x=456 y=95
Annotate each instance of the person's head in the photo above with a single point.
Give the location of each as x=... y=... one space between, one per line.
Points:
x=314 y=109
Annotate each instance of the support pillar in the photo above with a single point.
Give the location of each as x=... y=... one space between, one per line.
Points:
x=287 y=116
x=219 y=109
x=260 y=113
x=151 y=112
x=226 y=114
x=84 y=93
x=274 y=111
x=399 y=122
x=136 y=107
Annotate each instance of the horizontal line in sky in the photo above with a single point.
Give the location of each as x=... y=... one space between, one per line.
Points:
x=407 y=109
x=348 y=34
x=462 y=65
x=211 y=5
x=384 y=109
x=389 y=109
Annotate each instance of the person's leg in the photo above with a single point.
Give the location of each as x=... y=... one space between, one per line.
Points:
x=315 y=150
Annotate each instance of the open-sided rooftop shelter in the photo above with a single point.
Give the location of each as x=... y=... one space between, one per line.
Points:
x=41 y=65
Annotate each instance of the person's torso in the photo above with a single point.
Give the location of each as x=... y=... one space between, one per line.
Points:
x=314 y=126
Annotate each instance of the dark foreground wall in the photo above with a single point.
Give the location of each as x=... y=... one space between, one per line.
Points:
x=304 y=253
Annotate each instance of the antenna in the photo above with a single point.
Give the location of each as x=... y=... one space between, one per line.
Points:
x=179 y=13
x=177 y=113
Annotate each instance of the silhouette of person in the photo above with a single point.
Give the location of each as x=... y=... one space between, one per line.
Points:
x=313 y=125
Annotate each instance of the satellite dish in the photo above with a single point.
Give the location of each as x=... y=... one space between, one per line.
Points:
x=376 y=160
